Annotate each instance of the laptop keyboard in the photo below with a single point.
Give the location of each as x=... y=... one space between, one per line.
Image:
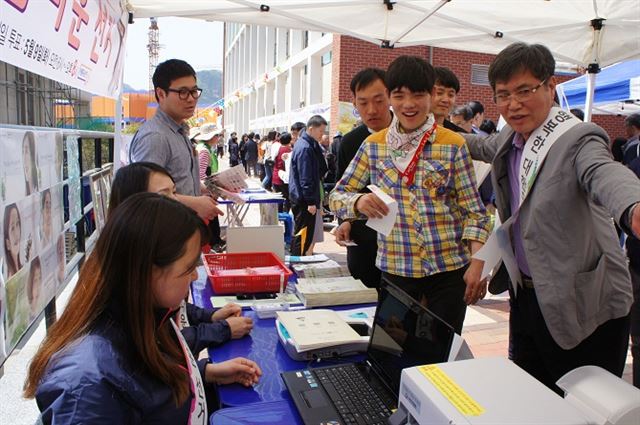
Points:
x=352 y=395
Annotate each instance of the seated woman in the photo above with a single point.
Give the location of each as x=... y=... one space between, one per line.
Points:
x=202 y=328
x=116 y=354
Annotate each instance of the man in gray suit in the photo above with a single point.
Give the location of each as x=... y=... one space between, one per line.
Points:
x=556 y=189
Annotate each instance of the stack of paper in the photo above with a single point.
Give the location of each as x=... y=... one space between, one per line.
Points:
x=329 y=268
x=334 y=291
x=249 y=300
x=313 y=329
x=317 y=258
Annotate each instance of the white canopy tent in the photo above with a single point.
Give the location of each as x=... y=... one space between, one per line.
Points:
x=570 y=28
x=587 y=33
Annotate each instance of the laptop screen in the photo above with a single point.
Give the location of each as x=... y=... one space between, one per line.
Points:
x=405 y=334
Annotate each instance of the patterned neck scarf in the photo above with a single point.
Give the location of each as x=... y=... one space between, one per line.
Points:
x=403 y=145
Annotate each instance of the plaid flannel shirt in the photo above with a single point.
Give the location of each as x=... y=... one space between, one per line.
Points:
x=436 y=214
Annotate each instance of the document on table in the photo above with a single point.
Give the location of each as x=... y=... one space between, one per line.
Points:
x=385 y=224
x=311 y=329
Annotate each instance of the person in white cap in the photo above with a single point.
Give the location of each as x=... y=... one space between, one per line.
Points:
x=207 y=138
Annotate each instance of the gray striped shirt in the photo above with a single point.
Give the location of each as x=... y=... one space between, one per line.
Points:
x=162 y=141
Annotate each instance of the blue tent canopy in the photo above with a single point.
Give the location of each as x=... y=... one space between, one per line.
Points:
x=617 y=90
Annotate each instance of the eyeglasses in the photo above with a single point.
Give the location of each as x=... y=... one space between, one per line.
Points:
x=522 y=95
x=184 y=93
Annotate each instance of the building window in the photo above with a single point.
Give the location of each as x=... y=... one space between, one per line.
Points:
x=480 y=75
x=326 y=58
x=305 y=39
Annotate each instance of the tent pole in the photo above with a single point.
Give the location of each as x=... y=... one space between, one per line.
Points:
x=593 y=68
x=588 y=105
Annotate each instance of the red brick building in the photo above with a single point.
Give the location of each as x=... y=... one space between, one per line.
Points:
x=351 y=54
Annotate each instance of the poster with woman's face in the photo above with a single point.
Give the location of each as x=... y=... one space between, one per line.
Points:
x=18 y=235
x=48 y=216
x=29 y=163
x=17 y=316
x=44 y=220
x=18 y=173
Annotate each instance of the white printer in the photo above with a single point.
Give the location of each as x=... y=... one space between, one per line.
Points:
x=490 y=391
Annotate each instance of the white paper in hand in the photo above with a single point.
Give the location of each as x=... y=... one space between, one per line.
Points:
x=490 y=252
x=385 y=224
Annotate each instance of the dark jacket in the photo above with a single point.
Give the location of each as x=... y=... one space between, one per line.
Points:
x=251 y=151
x=308 y=167
x=349 y=145
x=361 y=258
x=100 y=380
x=203 y=332
x=630 y=151
x=234 y=155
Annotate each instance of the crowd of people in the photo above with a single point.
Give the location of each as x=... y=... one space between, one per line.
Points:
x=125 y=348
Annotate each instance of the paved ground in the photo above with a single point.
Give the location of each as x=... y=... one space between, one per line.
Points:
x=485 y=330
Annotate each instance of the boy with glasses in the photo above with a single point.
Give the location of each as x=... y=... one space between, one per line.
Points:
x=557 y=188
x=164 y=139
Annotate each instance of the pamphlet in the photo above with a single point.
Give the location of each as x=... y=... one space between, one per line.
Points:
x=232 y=180
x=385 y=224
x=312 y=329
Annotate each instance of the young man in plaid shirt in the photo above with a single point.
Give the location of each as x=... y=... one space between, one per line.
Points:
x=427 y=170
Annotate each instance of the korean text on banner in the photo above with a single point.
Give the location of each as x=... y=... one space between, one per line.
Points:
x=76 y=42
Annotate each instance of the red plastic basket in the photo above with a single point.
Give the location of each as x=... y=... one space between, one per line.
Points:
x=246 y=282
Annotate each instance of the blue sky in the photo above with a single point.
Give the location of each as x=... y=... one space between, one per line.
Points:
x=196 y=41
